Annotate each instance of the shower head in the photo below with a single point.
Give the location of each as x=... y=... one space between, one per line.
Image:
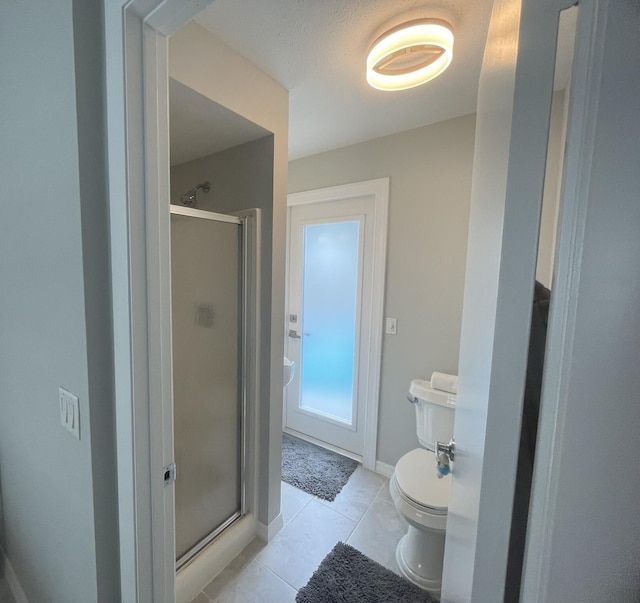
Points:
x=190 y=198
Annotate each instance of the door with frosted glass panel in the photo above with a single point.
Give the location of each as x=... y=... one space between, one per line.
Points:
x=330 y=253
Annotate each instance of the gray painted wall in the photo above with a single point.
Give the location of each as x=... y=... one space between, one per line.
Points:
x=241 y=178
x=430 y=171
x=58 y=493
x=430 y=181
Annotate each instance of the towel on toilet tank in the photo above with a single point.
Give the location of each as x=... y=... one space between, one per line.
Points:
x=445 y=382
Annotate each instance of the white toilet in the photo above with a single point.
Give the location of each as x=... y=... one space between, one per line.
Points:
x=420 y=497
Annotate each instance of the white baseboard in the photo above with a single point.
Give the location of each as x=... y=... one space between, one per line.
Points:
x=267 y=532
x=12 y=579
x=384 y=469
x=208 y=563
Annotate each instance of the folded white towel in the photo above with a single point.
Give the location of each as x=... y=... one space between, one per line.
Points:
x=444 y=382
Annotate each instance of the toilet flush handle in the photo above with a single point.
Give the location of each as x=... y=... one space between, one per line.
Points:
x=412 y=399
x=447 y=449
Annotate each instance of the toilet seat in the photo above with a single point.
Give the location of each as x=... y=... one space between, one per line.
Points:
x=417 y=483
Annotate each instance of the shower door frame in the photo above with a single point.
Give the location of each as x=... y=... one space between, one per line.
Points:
x=247 y=276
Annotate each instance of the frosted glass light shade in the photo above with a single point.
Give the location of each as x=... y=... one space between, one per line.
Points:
x=410 y=55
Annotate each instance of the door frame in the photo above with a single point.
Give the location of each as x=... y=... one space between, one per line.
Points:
x=137 y=124
x=475 y=567
x=136 y=76
x=378 y=189
x=580 y=146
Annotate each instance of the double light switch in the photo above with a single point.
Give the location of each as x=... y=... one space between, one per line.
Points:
x=69 y=412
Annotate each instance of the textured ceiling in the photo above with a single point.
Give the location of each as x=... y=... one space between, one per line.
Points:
x=317 y=49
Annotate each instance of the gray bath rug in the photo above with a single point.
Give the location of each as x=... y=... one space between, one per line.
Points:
x=313 y=469
x=347 y=576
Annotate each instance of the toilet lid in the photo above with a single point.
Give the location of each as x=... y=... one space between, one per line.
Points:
x=416 y=477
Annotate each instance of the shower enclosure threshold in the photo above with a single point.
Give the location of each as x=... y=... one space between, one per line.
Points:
x=192 y=552
x=204 y=566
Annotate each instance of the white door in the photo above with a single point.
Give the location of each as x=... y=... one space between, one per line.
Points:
x=333 y=320
x=514 y=103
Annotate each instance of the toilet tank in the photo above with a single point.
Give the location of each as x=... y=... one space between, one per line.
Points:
x=434 y=413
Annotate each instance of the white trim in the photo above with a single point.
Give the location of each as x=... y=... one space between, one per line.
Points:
x=379 y=189
x=579 y=149
x=267 y=532
x=205 y=215
x=157 y=257
x=12 y=579
x=208 y=563
x=384 y=469
x=136 y=64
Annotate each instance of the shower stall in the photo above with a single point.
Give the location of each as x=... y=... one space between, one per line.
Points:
x=213 y=267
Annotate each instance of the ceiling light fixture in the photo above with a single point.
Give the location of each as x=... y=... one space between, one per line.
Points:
x=409 y=55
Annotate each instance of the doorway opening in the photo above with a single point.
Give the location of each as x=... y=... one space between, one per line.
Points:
x=221 y=183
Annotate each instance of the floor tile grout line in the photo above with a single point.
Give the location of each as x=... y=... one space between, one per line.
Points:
x=382 y=485
x=356 y=523
x=328 y=503
x=299 y=510
x=209 y=599
x=235 y=578
x=277 y=575
x=362 y=493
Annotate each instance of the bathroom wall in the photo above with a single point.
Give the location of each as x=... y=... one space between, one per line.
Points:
x=241 y=178
x=430 y=172
x=202 y=62
x=430 y=181
x=58 y=493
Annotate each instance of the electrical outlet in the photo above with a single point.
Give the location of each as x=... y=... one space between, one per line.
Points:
x=69 y=411
x=391 y=327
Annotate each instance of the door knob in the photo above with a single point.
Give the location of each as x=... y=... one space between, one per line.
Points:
x=294 y=334
x=447 y=449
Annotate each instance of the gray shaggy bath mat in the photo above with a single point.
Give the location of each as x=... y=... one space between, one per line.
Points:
x=347 y=576
x=314 y=469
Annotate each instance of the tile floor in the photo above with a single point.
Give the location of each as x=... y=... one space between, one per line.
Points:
x=362 y=515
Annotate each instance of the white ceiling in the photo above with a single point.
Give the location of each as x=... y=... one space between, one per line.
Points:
x=317 y=50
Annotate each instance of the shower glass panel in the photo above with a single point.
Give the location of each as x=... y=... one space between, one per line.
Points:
x=206 y=273
x=329 y=308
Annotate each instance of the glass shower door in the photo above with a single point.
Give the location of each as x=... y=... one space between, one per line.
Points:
x=206 y=274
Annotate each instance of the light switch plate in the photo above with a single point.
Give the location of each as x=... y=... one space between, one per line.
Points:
x=69 y=411
x=391 y=326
